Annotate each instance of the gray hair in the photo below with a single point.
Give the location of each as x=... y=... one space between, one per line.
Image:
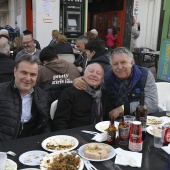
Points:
x=4 y=46
x=32 y=59
x=123 y=50
x=93 y=67
x=82 y=38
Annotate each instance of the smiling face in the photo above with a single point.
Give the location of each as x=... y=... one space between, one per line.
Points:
x=93 y=75
x=25 y=76
x=122 y=65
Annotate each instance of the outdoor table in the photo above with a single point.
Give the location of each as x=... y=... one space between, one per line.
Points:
x=153 y=158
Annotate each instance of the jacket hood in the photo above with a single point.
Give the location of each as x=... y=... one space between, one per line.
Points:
x=60 y=66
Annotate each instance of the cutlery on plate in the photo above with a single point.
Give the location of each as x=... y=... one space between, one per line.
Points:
x=90 y=132
x=11 y=153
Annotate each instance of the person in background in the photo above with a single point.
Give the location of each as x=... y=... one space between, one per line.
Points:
x=24 y=110
x=110 y=39
x=135 y=32
x=96 y=53
x=81 y=61
x=125 y=82
x=29 y=47
x=62 y=47
x=55 y=70
x=54 y=34
x=37 y=44
x=77 y=108
x=94 y=33
x=17 y=44
x=6 y=64
x=4 y=32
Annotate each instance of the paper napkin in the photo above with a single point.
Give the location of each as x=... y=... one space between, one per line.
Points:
x=133 y=159
x=166 y=149
x=100 y=137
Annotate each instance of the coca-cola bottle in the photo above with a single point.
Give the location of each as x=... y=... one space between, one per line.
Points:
x=141 y=114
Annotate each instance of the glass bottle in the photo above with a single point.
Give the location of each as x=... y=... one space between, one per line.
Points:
x=121 y=122
x=141 y=114
x=111 y=136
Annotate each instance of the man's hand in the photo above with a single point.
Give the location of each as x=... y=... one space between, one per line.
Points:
x=79 y=83
x=116 y=112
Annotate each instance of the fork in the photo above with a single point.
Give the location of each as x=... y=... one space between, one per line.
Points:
x=88 y=165
x=11 y=153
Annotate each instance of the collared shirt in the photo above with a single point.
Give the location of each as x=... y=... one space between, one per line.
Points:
x=26 y=106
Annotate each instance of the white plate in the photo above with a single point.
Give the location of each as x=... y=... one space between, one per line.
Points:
x=60 y=138
x=32 y=158
x=149 y=129
x=112 y=153
x=10 y=165
x=50 y=157
x=30 y=169
x=102 y=126
x=156 y=118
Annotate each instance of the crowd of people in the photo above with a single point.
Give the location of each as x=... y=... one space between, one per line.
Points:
x=96 y=86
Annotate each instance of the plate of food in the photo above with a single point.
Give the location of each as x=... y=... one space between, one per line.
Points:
x=96 y=152
x=104 y=125
x=32 y=158
x=152 y=120
x=58 y=160
x=60 y=143
x=149 y=129
x=10 y=165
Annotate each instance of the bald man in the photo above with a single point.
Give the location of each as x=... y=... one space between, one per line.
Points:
x=78 y=107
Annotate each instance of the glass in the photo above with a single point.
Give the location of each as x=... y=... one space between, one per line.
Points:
x=25 y=43
x=129 y=119
x=3 y=159
x=168 y=106
x=158 y=132
x=124 y=134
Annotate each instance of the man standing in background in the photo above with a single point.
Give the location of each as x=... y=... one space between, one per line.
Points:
x=135 y=32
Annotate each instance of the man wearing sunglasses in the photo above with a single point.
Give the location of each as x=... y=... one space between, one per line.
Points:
x=29 y=47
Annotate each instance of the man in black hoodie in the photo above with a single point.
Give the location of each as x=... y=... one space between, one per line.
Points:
x=97 y=53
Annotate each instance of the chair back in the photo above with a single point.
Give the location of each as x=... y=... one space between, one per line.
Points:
x=163 y=94
x=53 y=109
x=68 y=57
x=138 y=58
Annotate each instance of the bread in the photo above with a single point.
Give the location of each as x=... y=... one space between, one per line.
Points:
x=96 y=151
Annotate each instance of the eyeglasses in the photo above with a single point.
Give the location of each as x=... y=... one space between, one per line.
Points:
x=25 y=43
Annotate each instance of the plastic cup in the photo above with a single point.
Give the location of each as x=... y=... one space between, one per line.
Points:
x=124 y=135
x=158 y=132
x=3 y=159
x=129 y=119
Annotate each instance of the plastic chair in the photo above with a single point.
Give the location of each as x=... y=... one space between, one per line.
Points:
x=68 y=57
x=163 y=94
x=53 y=109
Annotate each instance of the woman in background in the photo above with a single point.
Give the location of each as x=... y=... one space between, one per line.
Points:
x=110 y=39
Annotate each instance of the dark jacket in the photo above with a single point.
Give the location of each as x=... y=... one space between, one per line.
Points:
x=137 y=85
x=63 y=48
x=102 y=58
x=6 y=68
x=74 y=109
x=11 y=109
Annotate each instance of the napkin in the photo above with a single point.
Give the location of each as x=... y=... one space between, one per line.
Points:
x=100 y=137
x=3 y=159
x=133 y=159
x=166 y=149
